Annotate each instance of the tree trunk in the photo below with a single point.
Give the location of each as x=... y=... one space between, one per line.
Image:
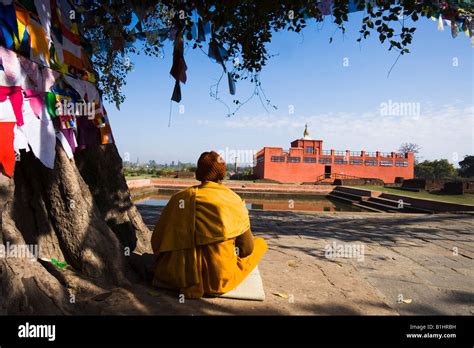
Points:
x=80 y=213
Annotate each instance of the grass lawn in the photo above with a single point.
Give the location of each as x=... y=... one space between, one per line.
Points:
x=460 y=199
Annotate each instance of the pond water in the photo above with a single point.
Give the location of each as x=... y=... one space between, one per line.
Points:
x=318 y=203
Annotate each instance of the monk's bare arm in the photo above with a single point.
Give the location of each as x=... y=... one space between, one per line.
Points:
x=245 y=243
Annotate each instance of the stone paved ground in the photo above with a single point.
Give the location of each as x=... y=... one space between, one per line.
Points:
x=426 y=259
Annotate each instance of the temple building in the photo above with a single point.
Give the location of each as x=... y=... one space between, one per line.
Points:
x=306 y=161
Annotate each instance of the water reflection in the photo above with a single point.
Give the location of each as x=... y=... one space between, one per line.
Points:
x=319 y=203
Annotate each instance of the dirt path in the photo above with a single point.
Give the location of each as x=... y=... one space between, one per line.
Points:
x=410 y=264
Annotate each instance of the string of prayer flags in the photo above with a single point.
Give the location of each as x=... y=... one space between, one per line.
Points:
x=20 y=71
x=47 y=91
x=48 y=35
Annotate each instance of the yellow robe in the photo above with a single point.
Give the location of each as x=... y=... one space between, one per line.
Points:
x=195 y=241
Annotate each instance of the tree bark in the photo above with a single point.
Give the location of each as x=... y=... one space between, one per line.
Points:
x=80 y=213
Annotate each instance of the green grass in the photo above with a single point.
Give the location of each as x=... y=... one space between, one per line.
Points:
x=460 y=199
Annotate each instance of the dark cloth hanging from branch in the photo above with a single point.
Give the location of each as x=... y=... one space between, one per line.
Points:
x=176 y=92
x=178 y=70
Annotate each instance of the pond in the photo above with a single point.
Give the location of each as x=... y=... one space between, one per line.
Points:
x=317 y=203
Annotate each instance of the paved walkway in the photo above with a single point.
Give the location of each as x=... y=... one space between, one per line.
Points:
x=411 y=264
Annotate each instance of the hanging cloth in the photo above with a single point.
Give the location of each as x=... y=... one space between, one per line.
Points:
x=176 y=96
x=39 y=43
x=178 y=70
x=20 y=71
x=40 y=134
x=23 y=43
x=7 y=151
x=6 y=111
x=69 y=135
x=218 y=53
x=51 y=101
x=14 y=74
x=65 y=144
x=36 y=100
x=231 y=83
x=44 y=13
x=20 y=142
x=440 y=23
x=8 y=25
x=63 y=125
x=14 y=94
x=88 y=133
x=106 y=135
x=201 y=33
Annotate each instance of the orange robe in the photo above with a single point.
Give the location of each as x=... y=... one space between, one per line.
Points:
x=195 y=241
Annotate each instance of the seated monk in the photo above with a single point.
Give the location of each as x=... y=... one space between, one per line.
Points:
x=202 y=240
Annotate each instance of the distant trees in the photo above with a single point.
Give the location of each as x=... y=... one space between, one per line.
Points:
x=437 y=169
x=153 y=169
x=442 y=169
x=467 y=167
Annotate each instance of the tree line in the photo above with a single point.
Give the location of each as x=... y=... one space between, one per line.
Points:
x=439 y=169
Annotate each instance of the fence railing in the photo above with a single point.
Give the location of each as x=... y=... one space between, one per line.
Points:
x=325 y=153
x=333 y=176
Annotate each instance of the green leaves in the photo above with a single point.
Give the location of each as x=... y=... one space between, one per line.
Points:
x=243 y=28
x=59 y=264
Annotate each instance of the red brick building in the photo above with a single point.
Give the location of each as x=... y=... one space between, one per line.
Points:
x=306 y=161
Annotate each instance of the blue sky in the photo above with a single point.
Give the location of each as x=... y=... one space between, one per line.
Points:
x=338 y=89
